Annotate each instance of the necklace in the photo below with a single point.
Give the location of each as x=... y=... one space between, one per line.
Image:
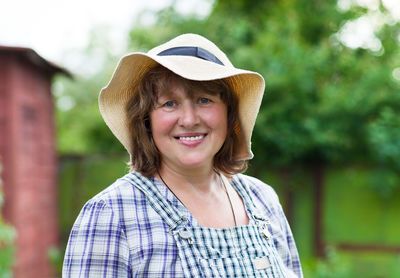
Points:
x=223 y=184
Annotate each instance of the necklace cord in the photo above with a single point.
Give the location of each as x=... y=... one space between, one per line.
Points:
x=158 y=172
x=223 y=184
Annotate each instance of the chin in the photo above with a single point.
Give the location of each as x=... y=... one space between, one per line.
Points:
x=194 y=163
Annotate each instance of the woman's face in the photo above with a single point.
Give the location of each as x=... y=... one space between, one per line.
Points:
x=188 y=129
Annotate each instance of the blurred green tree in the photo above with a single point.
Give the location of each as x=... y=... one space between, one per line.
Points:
x=324 y=102
x=80 y=128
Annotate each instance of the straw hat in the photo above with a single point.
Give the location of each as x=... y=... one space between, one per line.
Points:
x=192 y=57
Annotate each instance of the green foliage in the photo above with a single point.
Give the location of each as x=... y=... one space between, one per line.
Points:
x=359 y=264
x=323 y=103
x=56 y=259
x=371 y=218
x=384 y=137
x=7 y=235
x=333 y=266
x=80 y=127
x=352 y=213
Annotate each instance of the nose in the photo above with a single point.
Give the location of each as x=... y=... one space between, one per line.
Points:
x=189 y=116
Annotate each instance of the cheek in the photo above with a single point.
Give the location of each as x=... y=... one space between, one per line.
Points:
x=160 y=122
x=218 y=118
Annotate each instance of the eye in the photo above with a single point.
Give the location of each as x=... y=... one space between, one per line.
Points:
x=204 y=100
x=169 y=104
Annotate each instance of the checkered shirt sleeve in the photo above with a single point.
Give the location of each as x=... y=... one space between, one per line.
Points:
x=97 y=245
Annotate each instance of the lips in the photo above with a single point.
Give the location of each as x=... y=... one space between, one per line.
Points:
x=192 y=139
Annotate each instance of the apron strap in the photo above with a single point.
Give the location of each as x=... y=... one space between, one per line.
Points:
x=243 y=189
x=168 y=213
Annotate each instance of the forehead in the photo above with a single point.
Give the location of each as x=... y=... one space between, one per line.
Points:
x=175 y=84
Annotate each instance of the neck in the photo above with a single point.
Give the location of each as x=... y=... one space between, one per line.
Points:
x=193 y=179
x=201 y=193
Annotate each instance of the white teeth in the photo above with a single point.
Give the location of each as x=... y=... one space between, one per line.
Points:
x=192 y=138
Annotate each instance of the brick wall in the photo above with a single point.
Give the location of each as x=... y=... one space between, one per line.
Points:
x=29 y=162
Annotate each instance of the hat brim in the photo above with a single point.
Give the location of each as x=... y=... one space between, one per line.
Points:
x=249 y=87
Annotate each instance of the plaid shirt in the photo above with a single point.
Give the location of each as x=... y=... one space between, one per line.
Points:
x=118 y=234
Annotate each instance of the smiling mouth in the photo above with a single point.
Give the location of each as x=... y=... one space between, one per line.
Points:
x=191 y=138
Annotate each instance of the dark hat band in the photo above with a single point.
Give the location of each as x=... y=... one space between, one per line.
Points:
x=191 y=51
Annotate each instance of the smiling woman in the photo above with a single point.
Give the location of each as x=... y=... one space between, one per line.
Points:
x=168 y=87
x=185 y=114
x=188 y=130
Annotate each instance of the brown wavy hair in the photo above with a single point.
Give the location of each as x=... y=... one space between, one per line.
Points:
x=145 y=157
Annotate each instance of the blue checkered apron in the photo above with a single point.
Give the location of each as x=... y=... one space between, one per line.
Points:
x=241 y=251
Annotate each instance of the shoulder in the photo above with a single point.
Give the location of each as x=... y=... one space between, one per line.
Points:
x=122 y=190
x=261 y=194
x=259 y=187
x=120 y=201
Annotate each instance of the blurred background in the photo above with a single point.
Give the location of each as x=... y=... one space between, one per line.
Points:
x=327 y=137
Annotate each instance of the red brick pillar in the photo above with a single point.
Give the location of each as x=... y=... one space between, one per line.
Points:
x=27 y=148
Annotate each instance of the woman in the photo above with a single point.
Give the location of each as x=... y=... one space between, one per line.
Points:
x=185 y=114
